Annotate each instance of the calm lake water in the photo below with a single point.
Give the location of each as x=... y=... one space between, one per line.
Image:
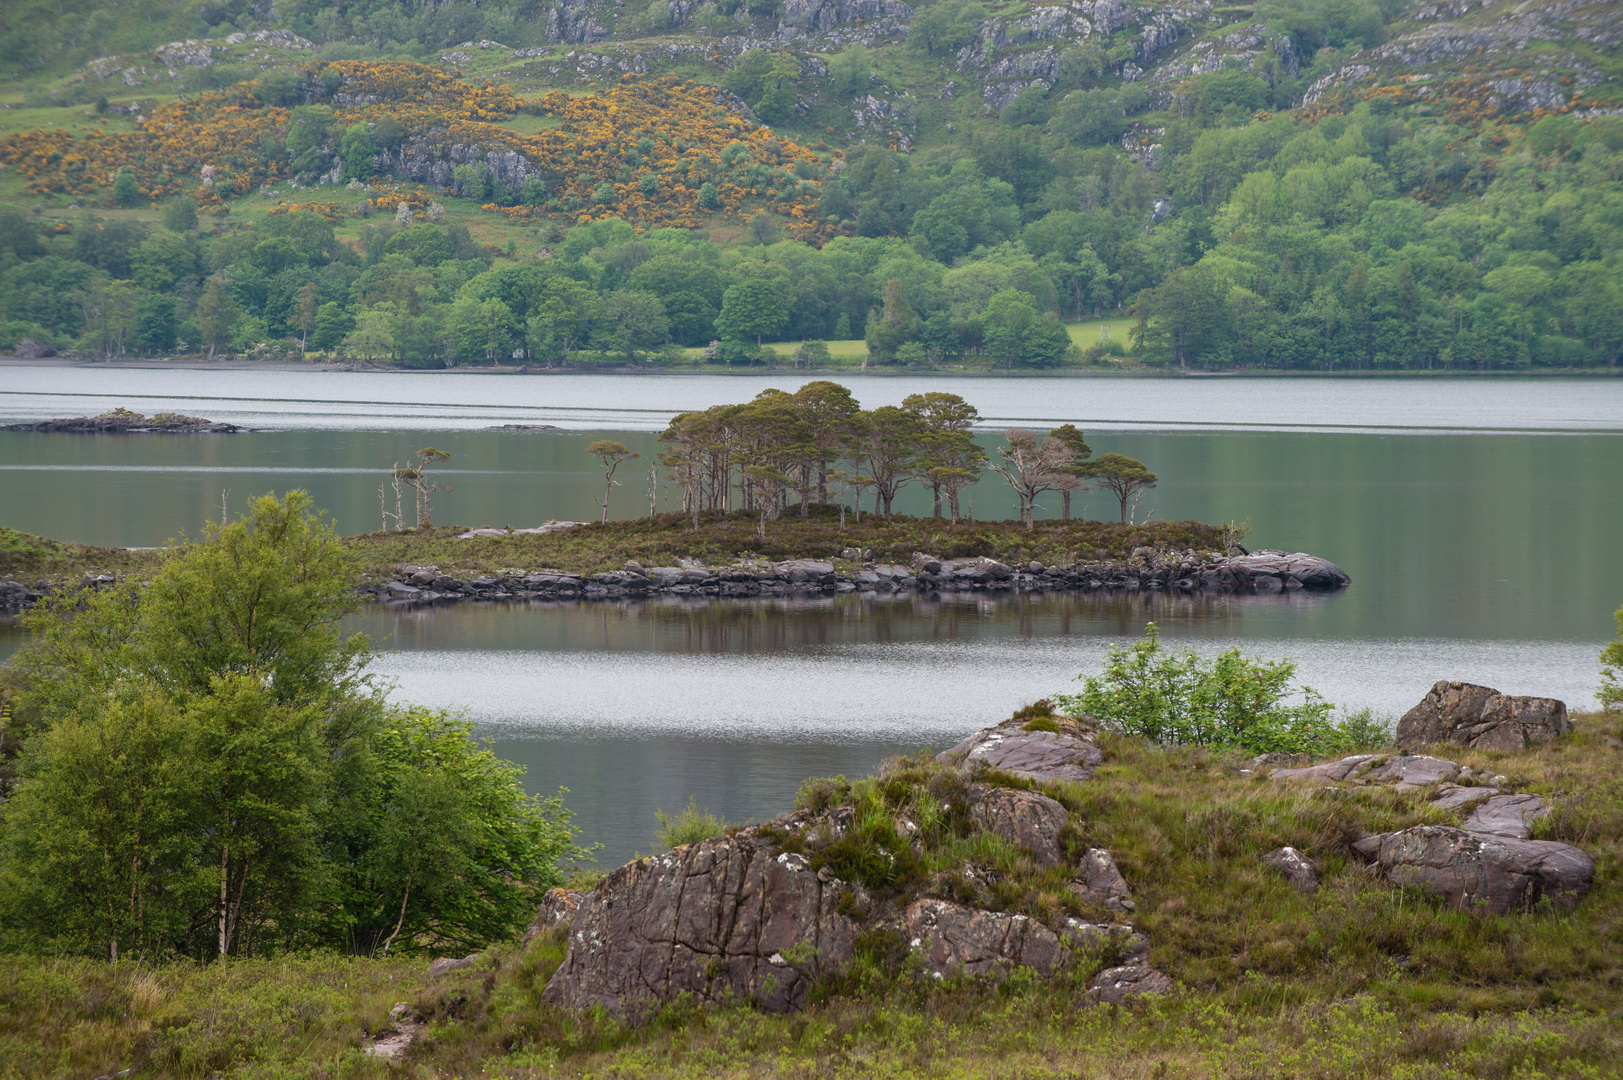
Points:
x=1478 y=518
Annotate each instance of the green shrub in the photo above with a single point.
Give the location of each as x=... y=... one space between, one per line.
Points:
x=688 y=826
x=1231 y=700
x=1611 y=670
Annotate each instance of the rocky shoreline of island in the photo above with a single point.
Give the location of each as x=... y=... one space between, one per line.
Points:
x=1265 y=572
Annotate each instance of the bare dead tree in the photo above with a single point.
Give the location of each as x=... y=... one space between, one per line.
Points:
x=1030 y=466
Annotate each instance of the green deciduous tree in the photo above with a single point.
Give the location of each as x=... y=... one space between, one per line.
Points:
x=754 y=308
x=126 y=192
x=357 y=149
x=215 y=776
x=1611 y=670
x=560 y=319
x=1231 y=700
x=850 y=69
x=629 y=320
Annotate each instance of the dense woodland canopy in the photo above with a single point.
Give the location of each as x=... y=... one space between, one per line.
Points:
x=1372 y=230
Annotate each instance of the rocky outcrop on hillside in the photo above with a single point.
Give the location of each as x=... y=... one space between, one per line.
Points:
x=1264 y=573
x=1005 y=74
x=1488 y=863
x=1521 y=53
x=1247 y=46
x=573 y=24
x=171 y=61
x=822 y=16
x=761 y=915
x=1483 y=872
x=721 y=920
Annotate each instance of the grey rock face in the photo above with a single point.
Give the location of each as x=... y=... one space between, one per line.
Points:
x=1098 y=880
x=722 y=919
x=1035 y=755
x=1478 y=872
x=446 y=964
x=1296 y=868
x=1025 y=818
x=1454 y=797
x=820 y=16
x=962 y=940
x=558 y=908
x=1506 y=815
x=1307 y=571
x=572 y=25
x=1483 y=718
x=1406 y=772
x=1247 y=46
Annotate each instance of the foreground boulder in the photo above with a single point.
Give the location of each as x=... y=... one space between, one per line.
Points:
x=1025 y=818
x=1481 y=872
x=1506 y=815
x=1482 y=718
x=1034 y=755
x=958 y=940
x=1099 y=881
x=724 y=920
x=1296 y=868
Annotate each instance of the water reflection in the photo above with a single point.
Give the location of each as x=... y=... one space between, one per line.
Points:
x=693 y=624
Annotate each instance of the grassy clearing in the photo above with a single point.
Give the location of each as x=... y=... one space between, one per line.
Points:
x=1088 y=333
x=1359 y=980
x=663 y=540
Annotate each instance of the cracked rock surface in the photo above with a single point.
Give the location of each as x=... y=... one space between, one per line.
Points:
x=1033 y=755
x=722 y=920
x=1482 y=718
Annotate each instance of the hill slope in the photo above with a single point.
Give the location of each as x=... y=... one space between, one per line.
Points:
x=1286 y=184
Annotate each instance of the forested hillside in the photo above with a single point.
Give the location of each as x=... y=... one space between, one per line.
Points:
x=1324 y=185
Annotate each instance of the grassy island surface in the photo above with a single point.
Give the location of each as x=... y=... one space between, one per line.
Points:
x=665 y=540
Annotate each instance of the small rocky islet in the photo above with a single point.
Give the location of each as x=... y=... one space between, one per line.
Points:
x=1147 y=569
x=127 y=422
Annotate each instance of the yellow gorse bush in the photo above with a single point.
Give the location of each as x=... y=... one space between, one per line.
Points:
x=678 y=132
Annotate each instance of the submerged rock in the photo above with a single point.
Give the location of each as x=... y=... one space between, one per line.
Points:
x=1482 y=718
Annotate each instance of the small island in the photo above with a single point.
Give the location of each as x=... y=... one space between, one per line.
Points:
x=725 y=557
x=123 y=421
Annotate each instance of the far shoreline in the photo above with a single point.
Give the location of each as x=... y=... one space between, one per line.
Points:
x=324 y=366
